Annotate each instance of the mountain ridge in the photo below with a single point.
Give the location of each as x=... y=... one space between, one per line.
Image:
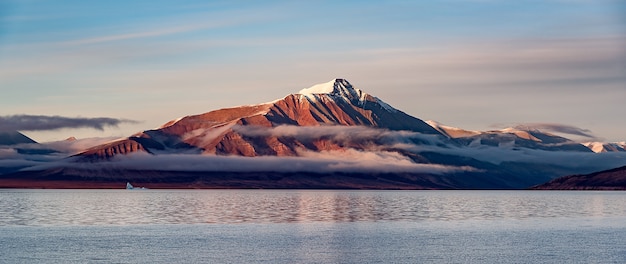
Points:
x=333 y=103
x=613 y=179
x=328 y=130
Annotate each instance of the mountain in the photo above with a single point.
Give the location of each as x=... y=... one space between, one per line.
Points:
x=14 y=141
x=13 y=145
x=8 y=138
x=331 y=135
x=222 y=132
x=509 y=138
x=600 y=147
x=452 y=132
x=614 y=179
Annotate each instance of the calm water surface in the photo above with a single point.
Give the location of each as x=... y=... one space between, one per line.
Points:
x=290 y=226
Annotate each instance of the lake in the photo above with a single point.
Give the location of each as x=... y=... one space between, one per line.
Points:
x=310 y=226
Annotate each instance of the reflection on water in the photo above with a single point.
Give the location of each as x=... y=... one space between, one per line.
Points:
x=121 y=207
x=291 y=226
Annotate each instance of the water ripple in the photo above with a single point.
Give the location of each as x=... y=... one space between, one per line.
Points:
x=121 y=207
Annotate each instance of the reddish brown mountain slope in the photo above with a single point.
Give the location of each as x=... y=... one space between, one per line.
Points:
x=336 y=103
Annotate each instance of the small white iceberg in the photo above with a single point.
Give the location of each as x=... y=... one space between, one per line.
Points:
x=131 y=187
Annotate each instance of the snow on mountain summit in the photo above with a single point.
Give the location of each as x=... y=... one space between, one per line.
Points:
x=342 y=89
x=336 y=88
x=322 y=88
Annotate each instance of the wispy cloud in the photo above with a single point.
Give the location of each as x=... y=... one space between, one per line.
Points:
x=41 y=122
x=143 y=34
x=201 y=18
x=119 y=42
x=557 y=128
x=503 y=63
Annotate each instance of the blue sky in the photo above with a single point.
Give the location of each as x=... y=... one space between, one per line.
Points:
x=475 y=64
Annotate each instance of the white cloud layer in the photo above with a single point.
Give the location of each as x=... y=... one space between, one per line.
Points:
x=382 y=156
x=344 y=134
x=349 y=161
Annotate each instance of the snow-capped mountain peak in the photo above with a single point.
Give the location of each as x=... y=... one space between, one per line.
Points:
x=343 y=90
x=336 y=88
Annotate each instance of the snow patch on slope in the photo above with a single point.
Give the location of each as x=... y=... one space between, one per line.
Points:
x=596 y=147
x=322 y=88
x=340 y=88
x=386 y=106
x=520 y=133
x=451 y=132
x=599 y=147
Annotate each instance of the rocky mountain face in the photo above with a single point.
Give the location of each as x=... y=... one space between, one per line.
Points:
x=336 y=103
x=223 y=132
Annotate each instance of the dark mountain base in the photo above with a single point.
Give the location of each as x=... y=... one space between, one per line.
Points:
x=614 y=179
x=79 y=178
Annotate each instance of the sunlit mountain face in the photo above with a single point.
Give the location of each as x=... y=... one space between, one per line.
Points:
x=331 y=135
x=309 y=120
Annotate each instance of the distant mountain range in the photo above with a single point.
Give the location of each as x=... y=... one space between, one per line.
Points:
x=510 y=137
x=331 y=135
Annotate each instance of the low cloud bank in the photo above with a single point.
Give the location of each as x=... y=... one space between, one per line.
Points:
x=377 y=158
x=351 y=161
x=78 y=145
x=336 y=133
x=11 y=163
x=42 y=122
x=34 y=154
x=577 y=162
x=26 y=155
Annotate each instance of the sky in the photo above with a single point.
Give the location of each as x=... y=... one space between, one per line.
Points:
x=474 y=64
